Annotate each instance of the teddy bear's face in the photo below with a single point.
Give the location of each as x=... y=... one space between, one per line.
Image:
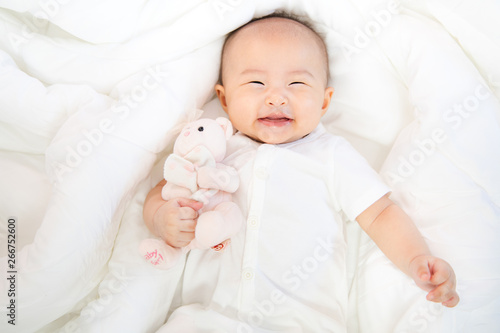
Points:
x=203 y=132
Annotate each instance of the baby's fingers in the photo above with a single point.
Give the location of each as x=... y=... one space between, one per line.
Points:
x=423 y=273
x=436 y=276
x=441 y=272
x=445 y=295
x=452 y=301
x=445 y=291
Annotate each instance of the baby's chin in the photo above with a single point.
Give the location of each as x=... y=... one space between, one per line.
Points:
x=271 y=138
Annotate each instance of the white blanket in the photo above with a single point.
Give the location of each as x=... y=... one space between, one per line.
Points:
x=90 y=95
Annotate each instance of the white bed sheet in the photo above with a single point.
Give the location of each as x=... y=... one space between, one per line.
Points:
x=89 y=95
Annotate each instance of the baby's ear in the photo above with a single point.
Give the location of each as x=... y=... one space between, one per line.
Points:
x=226 y=125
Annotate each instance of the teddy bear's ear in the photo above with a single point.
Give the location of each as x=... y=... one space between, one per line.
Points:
x=226 y=126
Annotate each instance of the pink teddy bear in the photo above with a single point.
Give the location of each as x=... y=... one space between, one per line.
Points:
x=195 y=171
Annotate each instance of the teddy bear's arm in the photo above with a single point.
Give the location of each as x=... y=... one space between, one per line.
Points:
x=181 y=172
x=221 y=177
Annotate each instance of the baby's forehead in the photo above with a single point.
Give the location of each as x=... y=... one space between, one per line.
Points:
x=272 y=29
x=277 y=26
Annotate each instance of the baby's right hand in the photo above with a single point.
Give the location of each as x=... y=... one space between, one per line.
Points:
x=175 y=221
x=436 y=276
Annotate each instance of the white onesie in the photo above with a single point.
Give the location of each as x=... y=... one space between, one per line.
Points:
x=286 y=271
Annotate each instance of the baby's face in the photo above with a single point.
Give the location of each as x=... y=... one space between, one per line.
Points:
x=274 y=81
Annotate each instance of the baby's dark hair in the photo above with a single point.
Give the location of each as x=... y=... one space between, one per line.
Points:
x=278 y=14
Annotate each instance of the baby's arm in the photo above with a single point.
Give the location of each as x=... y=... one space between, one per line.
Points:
x=173 y=220
x=396 y=235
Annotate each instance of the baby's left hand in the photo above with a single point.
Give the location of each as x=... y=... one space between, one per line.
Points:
x=437 y=277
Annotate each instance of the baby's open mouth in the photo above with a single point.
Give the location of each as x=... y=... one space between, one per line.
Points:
x=275 y=120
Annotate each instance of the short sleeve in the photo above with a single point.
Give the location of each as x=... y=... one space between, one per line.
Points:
x=356 y=185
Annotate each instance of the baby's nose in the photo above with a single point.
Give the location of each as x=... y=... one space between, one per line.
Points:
x=276 y=100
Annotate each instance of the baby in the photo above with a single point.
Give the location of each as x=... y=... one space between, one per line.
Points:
x=286 y=271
